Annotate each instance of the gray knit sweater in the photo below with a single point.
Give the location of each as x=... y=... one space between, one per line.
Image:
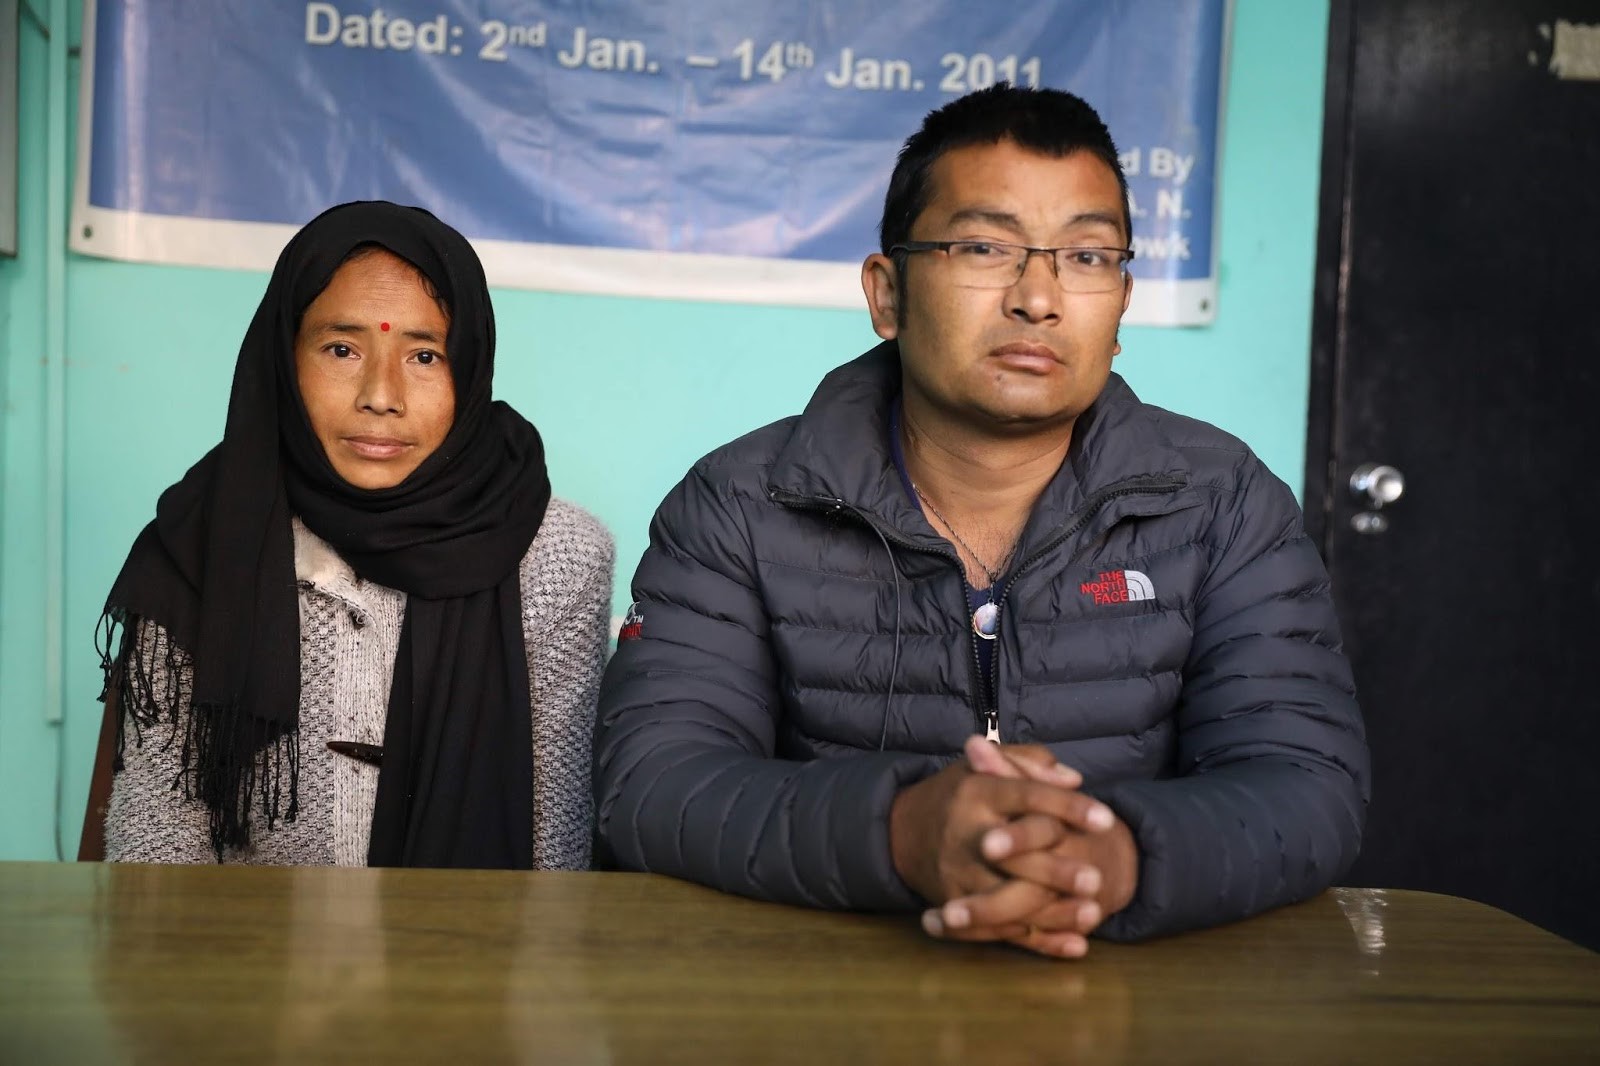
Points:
x=349 y=636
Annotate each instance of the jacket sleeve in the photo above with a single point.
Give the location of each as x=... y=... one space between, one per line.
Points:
x=1272 y=763
x=686 y=777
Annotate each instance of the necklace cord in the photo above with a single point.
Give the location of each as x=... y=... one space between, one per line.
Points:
x=992 y=573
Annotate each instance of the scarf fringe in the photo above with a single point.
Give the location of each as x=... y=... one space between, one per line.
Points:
x=228 y=760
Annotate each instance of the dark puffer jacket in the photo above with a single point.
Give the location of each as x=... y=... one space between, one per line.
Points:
x=803 y=651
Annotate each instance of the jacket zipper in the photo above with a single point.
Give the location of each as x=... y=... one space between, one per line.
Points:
x=983 y=702
x=1085 y=515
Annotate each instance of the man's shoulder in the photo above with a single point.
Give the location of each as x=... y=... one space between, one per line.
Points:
x=1237 y=490
x=1210 y=456
x=1206 y=446
x=711 y=513
x=741 y=466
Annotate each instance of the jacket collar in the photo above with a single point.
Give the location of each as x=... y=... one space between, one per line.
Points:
x=838 y=454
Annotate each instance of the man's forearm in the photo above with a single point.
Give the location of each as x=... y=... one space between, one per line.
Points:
x=1219 y=846
x=814 y=833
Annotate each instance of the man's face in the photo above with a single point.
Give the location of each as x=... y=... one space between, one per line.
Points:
x=1012 y=359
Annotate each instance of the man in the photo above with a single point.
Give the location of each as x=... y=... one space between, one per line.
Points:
x=976 y=533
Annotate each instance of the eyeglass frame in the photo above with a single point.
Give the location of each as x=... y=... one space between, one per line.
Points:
x=905 y=248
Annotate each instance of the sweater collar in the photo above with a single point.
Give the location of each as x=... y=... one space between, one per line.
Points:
x=317 y=566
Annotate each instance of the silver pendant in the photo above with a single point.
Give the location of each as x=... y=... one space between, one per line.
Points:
x=986 y=620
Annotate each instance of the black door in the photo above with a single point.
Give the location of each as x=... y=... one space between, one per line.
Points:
x=1457 y=342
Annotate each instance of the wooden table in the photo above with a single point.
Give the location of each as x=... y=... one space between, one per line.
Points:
x=148 y=964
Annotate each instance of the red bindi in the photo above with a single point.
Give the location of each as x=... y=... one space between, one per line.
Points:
x=384 y=326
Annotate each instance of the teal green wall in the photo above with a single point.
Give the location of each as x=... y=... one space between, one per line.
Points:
x=628 y=393
x=29 y=754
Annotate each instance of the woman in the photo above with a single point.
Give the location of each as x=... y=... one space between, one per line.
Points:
x=360 y=630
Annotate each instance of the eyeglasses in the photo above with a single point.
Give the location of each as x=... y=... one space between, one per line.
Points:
x=998 y=265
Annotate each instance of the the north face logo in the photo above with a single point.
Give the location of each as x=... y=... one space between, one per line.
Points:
x=1119 y=586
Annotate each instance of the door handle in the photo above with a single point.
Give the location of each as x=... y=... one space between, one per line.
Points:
x=1377 y=484
x=1374 y=485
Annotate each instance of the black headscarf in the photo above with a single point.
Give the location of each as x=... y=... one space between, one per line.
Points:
x=216 y=571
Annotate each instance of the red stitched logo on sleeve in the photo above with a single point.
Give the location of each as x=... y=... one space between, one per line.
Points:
x=632 y=625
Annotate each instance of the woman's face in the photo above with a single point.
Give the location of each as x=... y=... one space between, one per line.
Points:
x=373 y=371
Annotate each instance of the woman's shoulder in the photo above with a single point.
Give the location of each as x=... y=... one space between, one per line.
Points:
x=570 y=549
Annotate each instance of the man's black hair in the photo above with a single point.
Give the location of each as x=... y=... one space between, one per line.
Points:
x=1048 y=121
